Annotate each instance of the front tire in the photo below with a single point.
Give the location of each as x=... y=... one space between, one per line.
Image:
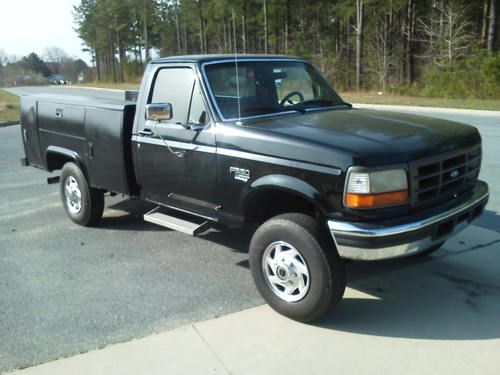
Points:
x=83 y=204
x=296 y=267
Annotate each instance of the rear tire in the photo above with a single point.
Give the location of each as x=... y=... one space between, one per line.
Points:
x=296 y=267
x=83 y=204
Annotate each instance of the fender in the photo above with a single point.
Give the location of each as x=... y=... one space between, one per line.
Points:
x=61 y=151
x=286 y=183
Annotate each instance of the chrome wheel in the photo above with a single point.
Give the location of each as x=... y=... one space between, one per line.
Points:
x=73 y=195
x=286 y=271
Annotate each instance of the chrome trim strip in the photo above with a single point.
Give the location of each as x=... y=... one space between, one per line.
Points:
x=174 y=144
x=371 y=230
x=396 y=251
x=239 y=154
x=279 y=161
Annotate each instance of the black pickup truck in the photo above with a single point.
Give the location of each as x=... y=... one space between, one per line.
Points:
x=264 y=140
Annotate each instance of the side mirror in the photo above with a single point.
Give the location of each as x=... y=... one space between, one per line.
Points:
x=159 y=111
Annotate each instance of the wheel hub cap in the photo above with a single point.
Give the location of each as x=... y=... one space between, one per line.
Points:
x=286 y=271
x=73 y=195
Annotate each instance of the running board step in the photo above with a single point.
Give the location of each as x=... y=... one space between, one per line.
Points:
x=178 y=221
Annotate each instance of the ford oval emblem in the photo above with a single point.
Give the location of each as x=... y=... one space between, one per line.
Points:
x=454 y=173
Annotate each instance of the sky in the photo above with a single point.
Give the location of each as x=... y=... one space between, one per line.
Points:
x=32 y=25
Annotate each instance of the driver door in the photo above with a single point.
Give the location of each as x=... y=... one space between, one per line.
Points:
x=177 y=157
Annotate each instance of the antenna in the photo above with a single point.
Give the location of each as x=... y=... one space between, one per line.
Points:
x=236 y=68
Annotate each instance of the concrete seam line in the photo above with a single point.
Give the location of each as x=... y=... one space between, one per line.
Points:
x=480 y=246
x=448 y=253
x=211 y=349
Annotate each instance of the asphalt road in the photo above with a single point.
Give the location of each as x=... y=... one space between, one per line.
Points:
x=65 y=289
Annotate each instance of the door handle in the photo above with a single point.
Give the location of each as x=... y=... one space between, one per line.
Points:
x=146 y=132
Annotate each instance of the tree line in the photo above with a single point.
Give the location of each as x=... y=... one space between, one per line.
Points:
x=358 y=44
x=33 y=69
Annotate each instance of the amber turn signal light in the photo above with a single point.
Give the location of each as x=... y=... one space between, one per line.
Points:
x=376 y=200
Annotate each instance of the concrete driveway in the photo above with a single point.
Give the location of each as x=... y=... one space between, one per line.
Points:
x=66 y=289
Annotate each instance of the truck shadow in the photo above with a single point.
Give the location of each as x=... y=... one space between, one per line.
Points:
x=127 y=215
x=128 y=222
x=236 y=239
x=435 y=298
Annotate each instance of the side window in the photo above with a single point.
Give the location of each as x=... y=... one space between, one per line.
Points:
x=197 y=111
x=174 y=86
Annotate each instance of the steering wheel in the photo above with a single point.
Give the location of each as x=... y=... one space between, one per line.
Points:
x=290 y=95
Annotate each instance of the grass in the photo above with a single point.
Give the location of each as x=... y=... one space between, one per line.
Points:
x=392 y=99
x=9 y=106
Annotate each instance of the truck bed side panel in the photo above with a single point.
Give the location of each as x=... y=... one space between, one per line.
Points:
x=95 y=134
x=61 y=125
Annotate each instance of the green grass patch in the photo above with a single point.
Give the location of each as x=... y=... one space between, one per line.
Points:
x=392 y=99
x=9 y=106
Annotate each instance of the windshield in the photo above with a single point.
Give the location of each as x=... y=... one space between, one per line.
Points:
x=266 y=87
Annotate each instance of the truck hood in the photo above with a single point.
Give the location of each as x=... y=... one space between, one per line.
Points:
x=374 y=137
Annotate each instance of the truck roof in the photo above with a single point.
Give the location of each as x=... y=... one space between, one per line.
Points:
x=216 y=57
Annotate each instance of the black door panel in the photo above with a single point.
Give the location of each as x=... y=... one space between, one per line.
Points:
x=177 y=164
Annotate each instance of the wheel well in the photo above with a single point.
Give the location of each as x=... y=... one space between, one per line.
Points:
x=266 y=204
x=56 y=161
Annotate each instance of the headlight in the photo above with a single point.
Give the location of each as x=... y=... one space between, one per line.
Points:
x=367 y=189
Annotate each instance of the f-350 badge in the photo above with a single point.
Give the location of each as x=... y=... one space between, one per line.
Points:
x=240 y=174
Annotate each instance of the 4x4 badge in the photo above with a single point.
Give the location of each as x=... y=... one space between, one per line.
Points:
x=240 y=173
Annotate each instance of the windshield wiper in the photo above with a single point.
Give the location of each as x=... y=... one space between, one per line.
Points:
x=320 y=102
x=270 y=110
x=298 y=109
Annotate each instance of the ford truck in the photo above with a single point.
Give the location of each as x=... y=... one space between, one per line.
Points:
x=264 y=141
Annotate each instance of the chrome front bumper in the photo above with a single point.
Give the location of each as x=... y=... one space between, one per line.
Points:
x=406 y=236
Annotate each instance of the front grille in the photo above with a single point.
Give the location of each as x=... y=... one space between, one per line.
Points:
x=437 y=178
